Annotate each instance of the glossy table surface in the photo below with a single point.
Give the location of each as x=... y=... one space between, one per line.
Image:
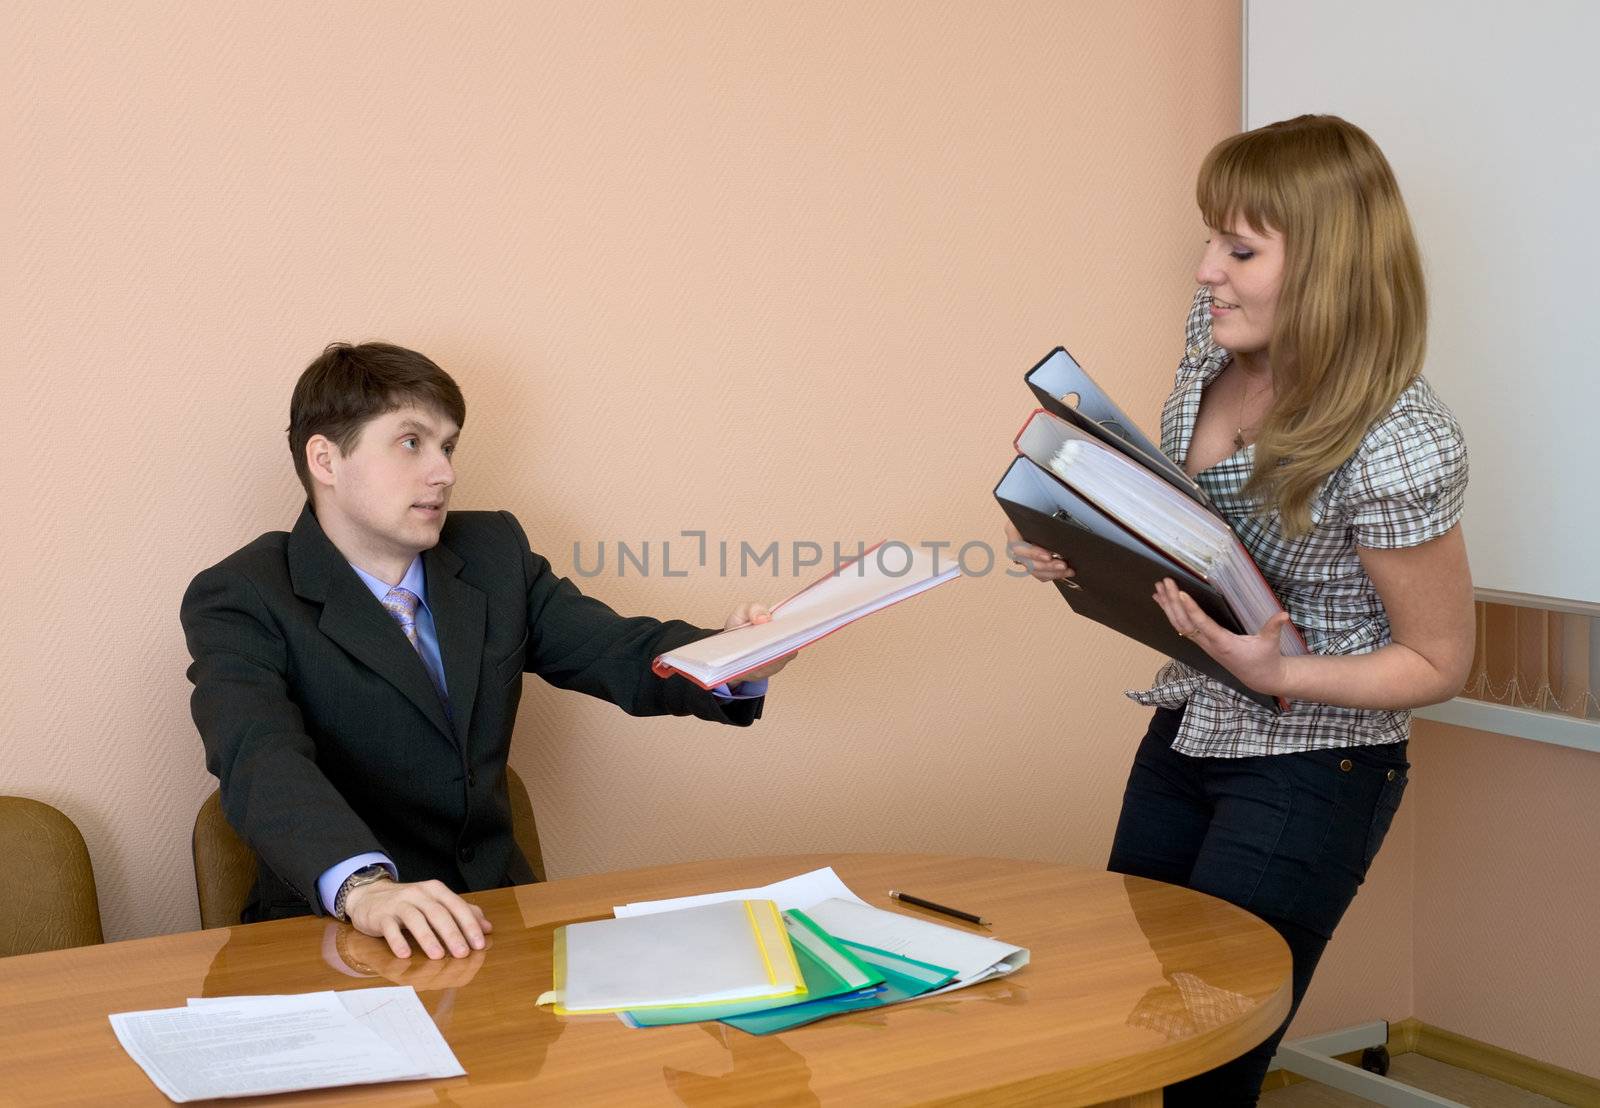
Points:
x=1132 y=985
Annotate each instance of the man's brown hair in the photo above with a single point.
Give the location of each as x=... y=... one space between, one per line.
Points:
x=348 y=386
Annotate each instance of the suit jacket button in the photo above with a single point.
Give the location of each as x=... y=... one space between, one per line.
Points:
x=465 y=854
x=472 y=780
x=1347 y=765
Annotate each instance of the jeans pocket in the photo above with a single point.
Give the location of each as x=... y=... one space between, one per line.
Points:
x=1340 y=797
x=1383 y=813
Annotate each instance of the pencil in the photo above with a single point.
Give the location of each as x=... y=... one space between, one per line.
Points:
x=917 y=901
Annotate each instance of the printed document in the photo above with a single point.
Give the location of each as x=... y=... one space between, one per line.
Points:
x=252 y=1046
x=396 y=1014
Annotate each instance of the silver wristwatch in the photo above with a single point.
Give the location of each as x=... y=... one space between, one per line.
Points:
x=366 y=875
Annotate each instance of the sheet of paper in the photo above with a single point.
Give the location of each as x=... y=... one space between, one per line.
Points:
x=800 y=891
x=973 y=957
x=255 y=1046
x=395 y=1013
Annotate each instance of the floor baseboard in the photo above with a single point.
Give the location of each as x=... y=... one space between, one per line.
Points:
x=1411 y=1035
x=1567 y=1086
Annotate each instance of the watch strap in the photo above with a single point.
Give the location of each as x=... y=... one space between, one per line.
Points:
x=366 y=875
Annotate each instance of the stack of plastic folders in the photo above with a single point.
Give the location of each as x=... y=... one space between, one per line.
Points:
x=739 y=961
x=840 y=976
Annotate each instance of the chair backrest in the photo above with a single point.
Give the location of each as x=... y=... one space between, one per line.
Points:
x=523 y=827
x=49 y=901
x=225 y=868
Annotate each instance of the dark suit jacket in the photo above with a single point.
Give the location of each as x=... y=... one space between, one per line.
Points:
x=329 y=740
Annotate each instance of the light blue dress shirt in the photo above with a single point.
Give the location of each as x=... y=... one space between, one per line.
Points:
x=415 y=581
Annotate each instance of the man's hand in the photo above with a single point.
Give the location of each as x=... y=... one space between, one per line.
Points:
x=755 y=613
x=436 y=917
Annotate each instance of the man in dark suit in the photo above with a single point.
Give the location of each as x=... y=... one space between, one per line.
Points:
x=356 y=679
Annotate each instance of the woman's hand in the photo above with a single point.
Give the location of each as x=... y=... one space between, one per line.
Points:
x=1257 y=659
x=1041 y=563
x=1427 y=591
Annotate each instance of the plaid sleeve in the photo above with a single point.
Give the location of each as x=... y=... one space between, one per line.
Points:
x=1410 y=481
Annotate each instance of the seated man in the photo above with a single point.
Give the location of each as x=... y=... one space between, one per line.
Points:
x=356 y=679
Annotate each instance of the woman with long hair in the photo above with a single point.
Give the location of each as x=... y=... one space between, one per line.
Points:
x=1300 y=408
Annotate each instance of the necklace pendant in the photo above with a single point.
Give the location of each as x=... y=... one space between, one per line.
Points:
x=1238 y=439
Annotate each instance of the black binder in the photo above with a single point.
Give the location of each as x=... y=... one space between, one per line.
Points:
x=1116 y=573
x=1060 y=376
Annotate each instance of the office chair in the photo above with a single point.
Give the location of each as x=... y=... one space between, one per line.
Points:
x=523 y=828
x=50 y=902
x=225 y=868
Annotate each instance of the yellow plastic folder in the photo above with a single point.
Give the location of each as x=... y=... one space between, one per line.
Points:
x=709 y=954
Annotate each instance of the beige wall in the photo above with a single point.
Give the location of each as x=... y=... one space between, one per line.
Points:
x=1507 y=892
x=771 y=271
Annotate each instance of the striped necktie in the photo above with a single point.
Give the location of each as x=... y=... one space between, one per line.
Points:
x=402 y=604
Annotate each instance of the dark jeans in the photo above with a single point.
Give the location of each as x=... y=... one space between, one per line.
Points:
x=1287 y=837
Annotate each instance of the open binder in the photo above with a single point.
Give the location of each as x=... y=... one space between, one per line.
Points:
x=1087 y=483
x=855 y=589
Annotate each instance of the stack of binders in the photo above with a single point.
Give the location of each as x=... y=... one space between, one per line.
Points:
x=1088 y=485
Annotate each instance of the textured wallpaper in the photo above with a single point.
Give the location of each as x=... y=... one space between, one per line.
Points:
x=1507 y=892
x=770 y=272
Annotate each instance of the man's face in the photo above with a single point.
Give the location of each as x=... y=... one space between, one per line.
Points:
x=385 y=501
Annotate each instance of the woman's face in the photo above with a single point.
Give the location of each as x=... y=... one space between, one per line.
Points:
x=1243 y=268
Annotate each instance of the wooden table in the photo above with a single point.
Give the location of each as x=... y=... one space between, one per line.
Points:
x=1133 y=985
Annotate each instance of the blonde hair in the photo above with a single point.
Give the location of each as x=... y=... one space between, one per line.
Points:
x=1352 y=315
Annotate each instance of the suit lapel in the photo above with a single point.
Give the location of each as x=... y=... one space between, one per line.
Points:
x=353 y=618
x=459 y=612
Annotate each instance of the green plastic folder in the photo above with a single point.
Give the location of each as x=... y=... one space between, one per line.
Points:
x=903 y=979
x=829 y=970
